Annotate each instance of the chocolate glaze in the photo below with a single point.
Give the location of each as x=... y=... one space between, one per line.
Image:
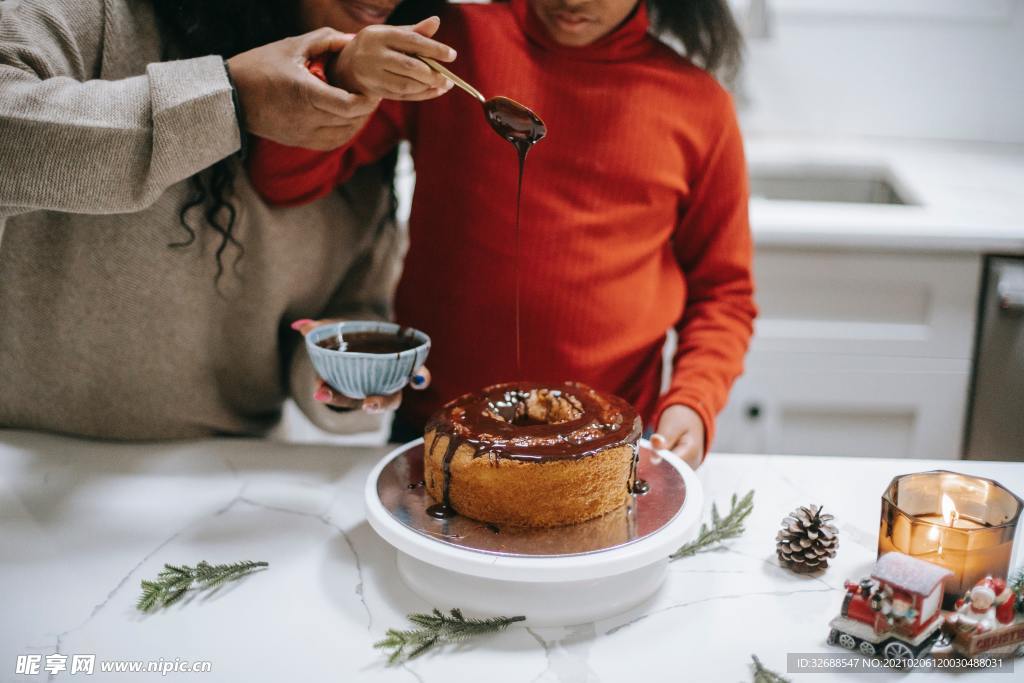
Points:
x=520 y=126
x=372 y=342
x=494 y=423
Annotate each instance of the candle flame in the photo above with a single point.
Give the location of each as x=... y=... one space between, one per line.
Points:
x=949 y=511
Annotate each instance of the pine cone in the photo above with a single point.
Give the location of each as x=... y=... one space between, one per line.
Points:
x=807 y=540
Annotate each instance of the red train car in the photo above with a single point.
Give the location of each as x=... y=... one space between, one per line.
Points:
x=896 y=613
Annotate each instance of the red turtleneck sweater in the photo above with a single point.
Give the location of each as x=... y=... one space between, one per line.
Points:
x=634 y=216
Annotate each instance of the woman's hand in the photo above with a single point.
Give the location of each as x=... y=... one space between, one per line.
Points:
x=282 y=101
x=371 y=404
x=378 y=62
x=681 y=431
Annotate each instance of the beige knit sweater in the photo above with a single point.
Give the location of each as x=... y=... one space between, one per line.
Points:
x=105 y=331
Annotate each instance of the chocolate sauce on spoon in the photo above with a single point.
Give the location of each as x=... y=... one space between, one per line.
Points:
x=517 y=124
x=520 y=126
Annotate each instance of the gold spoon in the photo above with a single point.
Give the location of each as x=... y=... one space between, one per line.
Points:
x=453 y=78
x=509 y=119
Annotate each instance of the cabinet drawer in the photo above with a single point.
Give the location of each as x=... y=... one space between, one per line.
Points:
x=846 y=405
x=866 y=303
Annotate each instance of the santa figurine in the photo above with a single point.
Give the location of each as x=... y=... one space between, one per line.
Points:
x=988 y=605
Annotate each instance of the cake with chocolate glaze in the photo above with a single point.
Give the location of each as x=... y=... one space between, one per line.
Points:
x=532 y=455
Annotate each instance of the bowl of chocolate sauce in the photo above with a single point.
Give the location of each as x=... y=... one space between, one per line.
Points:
x=361 y=358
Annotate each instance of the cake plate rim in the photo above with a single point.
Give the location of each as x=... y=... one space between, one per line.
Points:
x=643 y=552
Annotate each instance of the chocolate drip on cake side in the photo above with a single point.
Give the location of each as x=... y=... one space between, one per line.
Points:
x=497 y=422
x=636 y=485
x=444 y=510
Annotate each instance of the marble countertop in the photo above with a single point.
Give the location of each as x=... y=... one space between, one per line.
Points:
x=81 y=523
x=968 y=197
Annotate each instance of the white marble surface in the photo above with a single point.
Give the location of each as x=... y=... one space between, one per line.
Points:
x=81 y=523
x=970 y=197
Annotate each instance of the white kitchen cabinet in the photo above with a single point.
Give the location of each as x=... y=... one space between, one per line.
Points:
x=879 y=304
x=856 y=353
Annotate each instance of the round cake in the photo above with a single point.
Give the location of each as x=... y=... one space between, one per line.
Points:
x=532 y=455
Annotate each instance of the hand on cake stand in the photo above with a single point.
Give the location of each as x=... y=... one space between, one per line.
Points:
x=374 y=405
x=681 y=431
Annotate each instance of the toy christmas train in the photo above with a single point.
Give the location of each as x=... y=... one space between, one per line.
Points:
x=896 y=614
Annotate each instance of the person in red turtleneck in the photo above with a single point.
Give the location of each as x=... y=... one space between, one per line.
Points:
x=634 y=208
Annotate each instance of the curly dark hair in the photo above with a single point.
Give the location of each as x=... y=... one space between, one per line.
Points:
x=194 y=28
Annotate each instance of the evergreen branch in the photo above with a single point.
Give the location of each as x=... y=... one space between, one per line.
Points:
x=1017 y=582
x=1017 y=586
x=764 y=675
x=437 y=628
x=721 y=529
x=174 y=581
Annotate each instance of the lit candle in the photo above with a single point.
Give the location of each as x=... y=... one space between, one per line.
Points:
x=950 y=517
x=965 y=524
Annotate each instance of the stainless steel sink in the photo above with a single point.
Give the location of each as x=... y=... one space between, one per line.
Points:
x=824 y=183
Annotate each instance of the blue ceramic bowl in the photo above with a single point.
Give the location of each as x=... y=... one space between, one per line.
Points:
x=358 y=375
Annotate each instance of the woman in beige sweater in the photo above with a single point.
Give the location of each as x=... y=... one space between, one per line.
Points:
x=146 y=292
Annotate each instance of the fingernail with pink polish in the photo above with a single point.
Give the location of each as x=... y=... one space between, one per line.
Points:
x=323 y=394
x=299 y=324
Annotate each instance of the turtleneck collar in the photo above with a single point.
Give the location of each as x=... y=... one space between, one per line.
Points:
x=627 y=41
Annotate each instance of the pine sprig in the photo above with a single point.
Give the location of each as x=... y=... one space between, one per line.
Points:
x=1017 y=586
x=764 y=675
x=722 y=528
x=174 y=581
x=437 y=628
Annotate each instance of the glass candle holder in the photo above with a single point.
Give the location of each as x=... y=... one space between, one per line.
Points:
x=965 y=524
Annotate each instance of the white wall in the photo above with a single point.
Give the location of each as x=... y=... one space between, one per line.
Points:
x=933 y=69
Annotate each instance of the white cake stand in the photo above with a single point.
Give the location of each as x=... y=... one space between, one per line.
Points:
x=556 y=589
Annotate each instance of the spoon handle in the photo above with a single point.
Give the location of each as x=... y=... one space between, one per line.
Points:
x=454 y=79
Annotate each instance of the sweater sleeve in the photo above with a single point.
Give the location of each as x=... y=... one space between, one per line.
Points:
x=71 y=142
x=291 y=176
x=713 y=245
